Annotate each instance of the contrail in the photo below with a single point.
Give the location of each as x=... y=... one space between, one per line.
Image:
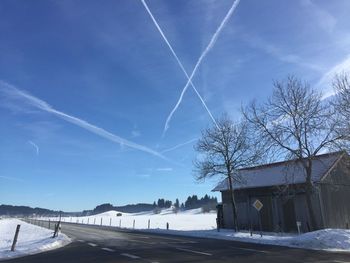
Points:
x=208 y=48
x=15 y=93
x=179 y=145
x=35 y=146
x=180 y=64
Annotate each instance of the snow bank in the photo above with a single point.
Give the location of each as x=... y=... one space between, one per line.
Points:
x=326 y=239
x=31 y=239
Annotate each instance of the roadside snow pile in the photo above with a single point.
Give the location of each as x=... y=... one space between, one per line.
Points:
x=329 y=239
x=31 y=239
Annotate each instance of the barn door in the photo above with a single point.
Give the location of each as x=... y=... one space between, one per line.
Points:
x=266 y=214
x=289 y=216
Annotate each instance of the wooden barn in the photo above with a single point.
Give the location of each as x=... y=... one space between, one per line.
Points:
x=279 y=186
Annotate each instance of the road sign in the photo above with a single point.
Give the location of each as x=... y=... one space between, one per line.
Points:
x=258 y=205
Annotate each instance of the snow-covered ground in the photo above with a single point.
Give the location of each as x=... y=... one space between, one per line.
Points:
x=326 y=239
x=185 y=220
x=198 y=224
x=31 y=239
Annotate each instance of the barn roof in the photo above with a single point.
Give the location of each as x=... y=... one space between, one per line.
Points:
x=280 y=173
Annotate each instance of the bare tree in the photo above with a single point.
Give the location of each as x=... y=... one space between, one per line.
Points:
x=224 y=149
x=297 y=124
x=341 y=85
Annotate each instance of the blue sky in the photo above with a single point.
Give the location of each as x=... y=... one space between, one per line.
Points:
x=86 y=88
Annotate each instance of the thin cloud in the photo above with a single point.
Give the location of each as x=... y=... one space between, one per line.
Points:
x=179 y=145
x=35 y=146
x=325 y=83
x=258 y=43
x=11 y=179
x=182 y=68
x=143 y=175
x=135 y=133
x=165 y=169
x=323 y=18
x=25 y=97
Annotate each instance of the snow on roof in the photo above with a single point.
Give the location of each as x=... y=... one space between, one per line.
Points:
x=288 y=172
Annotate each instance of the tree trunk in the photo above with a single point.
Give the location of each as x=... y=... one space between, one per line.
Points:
x=313 y=224
x=234 y=212
x=308 y=192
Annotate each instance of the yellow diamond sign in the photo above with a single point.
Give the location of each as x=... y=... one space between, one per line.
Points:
x=258 y=205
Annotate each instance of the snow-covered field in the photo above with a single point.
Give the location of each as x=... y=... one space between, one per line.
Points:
x=198 y=224
x=31 y=239
x=186 y=220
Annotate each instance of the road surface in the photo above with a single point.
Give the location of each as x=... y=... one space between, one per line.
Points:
x=110 y=244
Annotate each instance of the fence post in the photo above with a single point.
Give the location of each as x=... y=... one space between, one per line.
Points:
x=167 y=226
x=149 y=223
x=55 y=233
x=120 y=223
x=88 y=220
x=49 y=223
x=101 y=221
x=110 y=221
x=133 y=224
x=95 y=221
x=15 y=238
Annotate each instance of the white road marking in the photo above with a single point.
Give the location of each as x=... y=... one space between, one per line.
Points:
x=92 y=244
x=108 y=249
x=176 y=239
x=79 y=240
x=143 y=237
x=251 y=249
x=129 y=256
x=194 y=251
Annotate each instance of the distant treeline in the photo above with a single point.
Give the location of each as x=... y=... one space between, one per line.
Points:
x=207 y=203
x=191 y=202
x=10 y=210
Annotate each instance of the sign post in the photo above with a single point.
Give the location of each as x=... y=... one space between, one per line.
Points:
x=298 y=226
x=258 y=206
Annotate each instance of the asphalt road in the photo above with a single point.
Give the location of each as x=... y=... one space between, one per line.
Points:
x=109 y=244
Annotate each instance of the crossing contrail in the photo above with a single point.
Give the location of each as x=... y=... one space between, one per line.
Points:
x=203 y=55
x=208 y=48
x=15 y=93
x=180 y=64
